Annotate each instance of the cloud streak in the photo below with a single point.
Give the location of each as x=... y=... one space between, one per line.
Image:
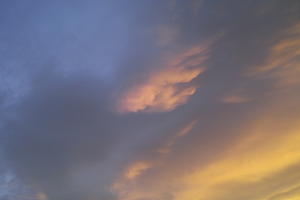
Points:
x=168 y=87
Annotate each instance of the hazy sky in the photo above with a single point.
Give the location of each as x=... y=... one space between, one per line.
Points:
x=150 y=100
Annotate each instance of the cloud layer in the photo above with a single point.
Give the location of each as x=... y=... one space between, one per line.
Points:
x=140 y=100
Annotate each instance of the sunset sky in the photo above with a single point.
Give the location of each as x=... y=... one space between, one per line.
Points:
x=150 y=100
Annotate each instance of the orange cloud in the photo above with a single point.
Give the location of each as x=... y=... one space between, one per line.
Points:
x=250 y=161
x=137 y=168
x=166 y=148
x=235 y=99
x=283 y=61
x=126 y=187
x=167 y=88
x=262 y=162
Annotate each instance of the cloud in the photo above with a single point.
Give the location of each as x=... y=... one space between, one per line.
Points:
x=287 y=194
x=72 y=75
x=235 y=99
x=128 y=185
x=260 y=162
x=282 y=63
x=136 y=169
x=167 y=35
x=259 y=159
x=168 y=87
x=57 y=134
x=11 y=188
x=167 y=147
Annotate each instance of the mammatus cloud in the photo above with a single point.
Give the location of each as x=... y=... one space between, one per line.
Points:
x=167 y=88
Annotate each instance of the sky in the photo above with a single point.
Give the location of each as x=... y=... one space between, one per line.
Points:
x=150 y=100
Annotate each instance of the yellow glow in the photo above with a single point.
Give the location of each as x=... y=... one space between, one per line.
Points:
x=250 y=162
x=255 y=156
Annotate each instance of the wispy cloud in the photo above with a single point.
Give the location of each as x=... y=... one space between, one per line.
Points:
x=127 y=185
x=283 y=61
x=260 y=162
x=169 y=87
x=261 y=153
x=235 y=99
